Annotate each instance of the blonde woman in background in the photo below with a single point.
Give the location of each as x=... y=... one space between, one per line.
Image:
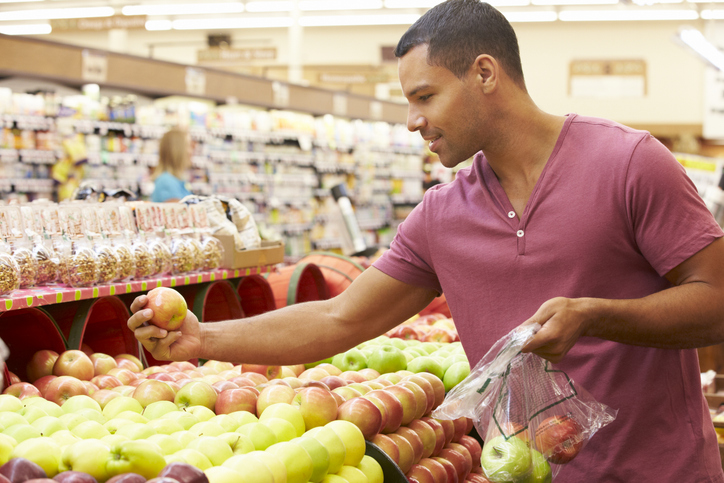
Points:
x=174 y=161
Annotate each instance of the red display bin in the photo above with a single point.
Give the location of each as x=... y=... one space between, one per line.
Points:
x=302 y=282
x=101 y=324
x=256 y=295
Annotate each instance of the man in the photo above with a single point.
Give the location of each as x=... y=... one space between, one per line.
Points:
x=585 y=226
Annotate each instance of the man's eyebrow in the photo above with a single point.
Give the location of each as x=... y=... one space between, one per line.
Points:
x=418 y=89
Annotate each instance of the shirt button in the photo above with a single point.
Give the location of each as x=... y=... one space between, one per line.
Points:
x=511 y=214
x=520 y=233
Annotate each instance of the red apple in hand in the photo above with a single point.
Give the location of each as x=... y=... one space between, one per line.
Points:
x=559 y=438
x=169 y=308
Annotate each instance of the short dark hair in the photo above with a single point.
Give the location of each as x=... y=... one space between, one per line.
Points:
x=457 y=31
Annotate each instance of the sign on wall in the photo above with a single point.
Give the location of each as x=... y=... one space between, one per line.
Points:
x=607 y=78
x=236 y=55
x=98 y=24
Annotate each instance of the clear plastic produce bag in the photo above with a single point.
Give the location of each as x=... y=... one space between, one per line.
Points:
x=532 y=417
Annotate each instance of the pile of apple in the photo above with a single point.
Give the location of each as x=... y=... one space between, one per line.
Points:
x=386 y=354
x=427 y=328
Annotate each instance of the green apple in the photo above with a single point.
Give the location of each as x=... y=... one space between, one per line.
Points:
x=216 y=450
x=426 y=364
x=190 y=456
x=282 y=429
x=12 y=403
x=372 y=469
x=131 y=416
x=222 y=474
x=112 y=425
x=72 y=420
x=352 y=438
x=398 y=343
x=168 y=444
x=11 y=419
x=90 y=430
x=63 y=438
x=124 y=403
x=184 y=437
x=44 y=452
x=352 y=474
x=333 y=479
x=287 y=412
x=142 y=457
x=202 y=413
x=48 y=425
x=21 y=432
x=319 y=455
x=164 y=426
x=332 y=443
x=410 y=355
x=112 y=439
x=296 y=459
x=387 y=359
x=541 y=469
x=260 y=435
x=225 y=421
x=238 y=443
x=158 y=408
x=452 y=359
x=87 y=456
x=6 y=447
x=250 y=469
x=351 y=360
x=196 y=393
x=430 y=347
x=243 y=417
x=328 y=360
x=455 y=374
x=136 y=431
x=206 y=428
x=48 y=406
x=272 y=461
x=506 y=460
x=186 y=420
x=81 y=401
x=31 y=413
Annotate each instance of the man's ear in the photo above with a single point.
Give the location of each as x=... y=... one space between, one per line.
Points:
x=487 y=72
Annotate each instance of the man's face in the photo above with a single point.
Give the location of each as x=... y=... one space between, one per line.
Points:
x=445 y=109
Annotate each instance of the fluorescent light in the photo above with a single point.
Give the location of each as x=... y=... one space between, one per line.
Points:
x=158 y=25
x=56 y=13
x=509 y=3
x=277 y=6
x=574 y=2
x=232 y=23
x=622 y=15
x=27 y=29
x=349 y=20
x=19 y=1
x=541 y=16
x=698 y=43
x=184 y=9
x=411 y=3
x=712 y=14
x=648 y=3
x=307 y=5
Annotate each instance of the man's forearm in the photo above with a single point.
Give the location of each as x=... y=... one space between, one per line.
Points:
x=685 y=316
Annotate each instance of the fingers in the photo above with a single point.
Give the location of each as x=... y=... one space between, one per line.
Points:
x=163 y=346
x=138 y=303
x=139 y=318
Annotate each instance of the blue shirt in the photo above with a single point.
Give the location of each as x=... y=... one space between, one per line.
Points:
x=168 y=187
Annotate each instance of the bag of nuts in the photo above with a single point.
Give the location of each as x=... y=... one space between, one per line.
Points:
x=212 y=249
x=20 y=246
x=113 y=231
x=78 y=261
x=48 y=262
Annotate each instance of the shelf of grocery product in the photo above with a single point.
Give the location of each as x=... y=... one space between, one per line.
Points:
x=55 y=294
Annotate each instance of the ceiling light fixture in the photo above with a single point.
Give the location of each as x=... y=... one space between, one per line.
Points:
x=696 y=41
x=712 y=14
x=158 y=25
x=26 y=29
x=626 y=15
x=355 y=20
x=19 y=1
x=272 y=6
x=184 y=9
x=56 y=13
x=232 y=23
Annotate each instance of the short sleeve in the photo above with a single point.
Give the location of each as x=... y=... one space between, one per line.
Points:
x=408 y=259
x=670 y=220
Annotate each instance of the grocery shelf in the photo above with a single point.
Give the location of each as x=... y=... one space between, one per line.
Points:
x=41 y=296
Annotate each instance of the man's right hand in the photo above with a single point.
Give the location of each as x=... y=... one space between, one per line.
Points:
x=176 y=345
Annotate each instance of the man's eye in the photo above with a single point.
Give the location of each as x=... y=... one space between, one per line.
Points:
x=425 y=97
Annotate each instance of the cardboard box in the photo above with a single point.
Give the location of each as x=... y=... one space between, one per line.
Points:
x=270 y=253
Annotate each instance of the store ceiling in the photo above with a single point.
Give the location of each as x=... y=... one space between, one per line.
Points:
x=41 y=16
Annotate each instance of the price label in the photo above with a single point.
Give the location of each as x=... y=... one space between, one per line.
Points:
x=94 y=66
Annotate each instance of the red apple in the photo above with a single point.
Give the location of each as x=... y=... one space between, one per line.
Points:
x=363 y=413
x=352 y=376
x=41 y=364
x=255 y=377
x=369 y=373
x=21 y=390
x=337 y=398
x=559 y=438
x=63 y=388
x=74 y=363
x=404 y=332
x=136 y=362
x=426 y=434
x=407 y=399
x=242 y=381
x=13 y=378
x=449 y=427
x=333 y=382
x=420 y=396
x=314 y=374
x=439 y=473
x=407 y=454
x=421 y=474
x=388 y=446
x=270 y=372
x=463 y=451
x=102 y=363
x=458 y=460
x=461 y=426
x=438 y=334
x=102 y=396
x=223 y=385
x=232 y=400
x=43 y=382
x=90 y=387
x=437 y=386
x=414 y=440
x=452 y=474
x=473 y=447
x=169 y=308
x=317 y=406
x=161 y=376
x=347 y=393
x=331 y=369
x=426 y=387
x=182 y=365
x=123 y=375
x=274 y=394
x=151 y=390
x=439 y=434
x=104 y=381
x=393 y=406
x=297 y=369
